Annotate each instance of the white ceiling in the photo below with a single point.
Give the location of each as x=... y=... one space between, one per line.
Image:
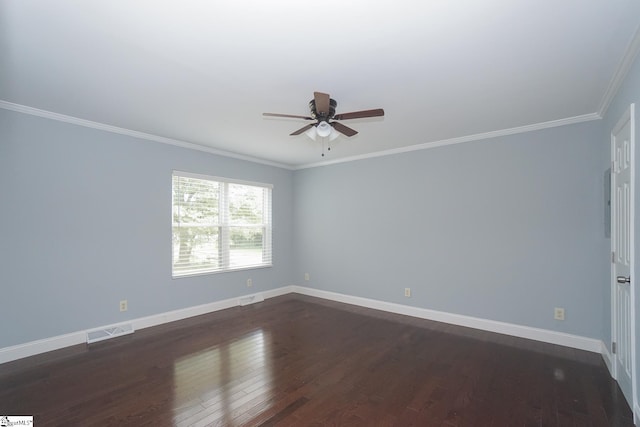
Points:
x=202 y=72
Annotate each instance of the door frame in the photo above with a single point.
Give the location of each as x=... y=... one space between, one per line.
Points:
x=628 y=115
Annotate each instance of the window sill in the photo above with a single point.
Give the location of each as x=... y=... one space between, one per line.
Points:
x=228 y=270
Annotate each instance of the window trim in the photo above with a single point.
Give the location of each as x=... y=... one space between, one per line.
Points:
x=268 y=224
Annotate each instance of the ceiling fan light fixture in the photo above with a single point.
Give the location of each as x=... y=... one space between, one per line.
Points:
x=311 y=133
x=322 y=109
x=334 y=134
x=323 y=129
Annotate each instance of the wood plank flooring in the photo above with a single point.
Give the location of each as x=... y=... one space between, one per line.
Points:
x=300 y=361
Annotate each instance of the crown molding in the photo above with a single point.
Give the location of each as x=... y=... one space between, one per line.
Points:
x=150 y=137
x=134 y=133
x=632 y=50
x=460 y=140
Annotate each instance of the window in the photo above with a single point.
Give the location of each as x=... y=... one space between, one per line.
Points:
x=219 y=224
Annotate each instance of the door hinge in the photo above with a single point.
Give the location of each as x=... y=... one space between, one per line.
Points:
x=613 y=347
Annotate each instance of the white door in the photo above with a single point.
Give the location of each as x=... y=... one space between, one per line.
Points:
x=622 y=241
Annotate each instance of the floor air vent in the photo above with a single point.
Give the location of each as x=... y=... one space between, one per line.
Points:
x=109 y=332
x=250 y=299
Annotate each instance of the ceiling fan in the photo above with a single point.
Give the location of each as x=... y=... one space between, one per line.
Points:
x=323 y=111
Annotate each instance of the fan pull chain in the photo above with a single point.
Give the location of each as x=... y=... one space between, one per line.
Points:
x=328 y=146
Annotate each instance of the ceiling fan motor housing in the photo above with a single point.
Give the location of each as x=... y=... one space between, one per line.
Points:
x=326 y=120
x=332 y=110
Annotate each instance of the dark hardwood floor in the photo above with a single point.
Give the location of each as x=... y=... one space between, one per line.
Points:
x=300 y=361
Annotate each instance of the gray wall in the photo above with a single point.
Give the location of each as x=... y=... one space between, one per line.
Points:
x=628 y=93
x=85 y=221
x=503 y=229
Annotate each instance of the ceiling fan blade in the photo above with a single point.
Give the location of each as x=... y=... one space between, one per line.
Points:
x=302 y=130
x=322 y=103
x=343 y=129
x=360 y=114
x=287 y=115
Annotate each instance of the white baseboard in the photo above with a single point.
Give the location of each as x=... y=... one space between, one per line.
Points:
x=7 y=354
x=184 y=313
x=544 y=335
x=608 y=359
x=32 y=348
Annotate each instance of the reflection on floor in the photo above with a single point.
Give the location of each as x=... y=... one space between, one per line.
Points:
x=296 y=360
x=221 y=379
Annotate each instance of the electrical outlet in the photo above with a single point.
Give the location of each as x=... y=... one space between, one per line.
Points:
x=306 y=277
x=249 y=283
x=558 y=313
x=407 y=292
x=123 y=305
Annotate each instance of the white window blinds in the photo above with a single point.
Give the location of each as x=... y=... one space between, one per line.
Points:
x=219 y=225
